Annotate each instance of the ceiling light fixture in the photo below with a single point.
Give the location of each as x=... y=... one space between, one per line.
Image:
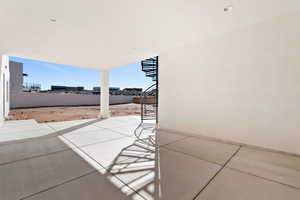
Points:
x=52 y=19
x=228 y=8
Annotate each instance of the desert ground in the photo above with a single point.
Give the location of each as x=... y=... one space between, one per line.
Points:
x=56 y=114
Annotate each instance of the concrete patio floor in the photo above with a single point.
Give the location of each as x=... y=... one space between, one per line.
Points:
x=95 y=160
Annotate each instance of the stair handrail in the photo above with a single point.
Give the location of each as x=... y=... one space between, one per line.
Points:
x=144 y=97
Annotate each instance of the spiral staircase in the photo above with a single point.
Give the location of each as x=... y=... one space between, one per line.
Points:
x=149 y=98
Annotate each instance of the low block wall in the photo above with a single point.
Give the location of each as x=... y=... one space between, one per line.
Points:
x=30 y=100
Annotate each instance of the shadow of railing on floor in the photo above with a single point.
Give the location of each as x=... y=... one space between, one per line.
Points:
x=137 y=164
x=114 y=189
x=136 y=161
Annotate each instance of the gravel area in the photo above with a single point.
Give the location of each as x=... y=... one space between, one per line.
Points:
x=56 y=114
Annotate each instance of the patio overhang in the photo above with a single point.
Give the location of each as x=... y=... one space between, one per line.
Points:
x=103 y=34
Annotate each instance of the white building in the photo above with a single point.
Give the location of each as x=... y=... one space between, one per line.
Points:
x=16 y=74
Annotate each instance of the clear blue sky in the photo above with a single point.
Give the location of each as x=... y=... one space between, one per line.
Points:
x=48 y=74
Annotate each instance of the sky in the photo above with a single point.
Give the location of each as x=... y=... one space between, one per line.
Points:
x=48 y=74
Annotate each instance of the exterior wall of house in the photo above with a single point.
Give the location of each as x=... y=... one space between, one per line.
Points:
x=243 y=86
x=1 y=93
x=4 y=87
x=29 y=100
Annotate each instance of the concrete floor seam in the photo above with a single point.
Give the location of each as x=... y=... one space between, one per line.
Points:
x=191 y=156
x=267 y=179
x=33 y=157
x=103 y=167
x=91 y=144
x=123 y=134
x=21 y=141
x=218 y=172
x=173 y=142
x=68 y=149
x=57 y=185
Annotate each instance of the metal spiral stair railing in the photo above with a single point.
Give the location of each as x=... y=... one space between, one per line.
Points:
x=149 y=104
x=149 y=98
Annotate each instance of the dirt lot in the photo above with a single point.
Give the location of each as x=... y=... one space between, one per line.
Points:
x=56 y=114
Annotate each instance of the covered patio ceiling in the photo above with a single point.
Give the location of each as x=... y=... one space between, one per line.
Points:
x=103 y=34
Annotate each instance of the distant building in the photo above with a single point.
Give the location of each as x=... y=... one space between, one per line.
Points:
x=96 y=89
x=132 y=91
x=112 y=90
x=118 y=91
x=17 y=79
x=16 y=74
x=56 y=88
x=32 y=87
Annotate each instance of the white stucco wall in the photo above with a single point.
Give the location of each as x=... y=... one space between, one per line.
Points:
x=24 y=100
x=4 y=89
x=1 y=93
x=243 y=86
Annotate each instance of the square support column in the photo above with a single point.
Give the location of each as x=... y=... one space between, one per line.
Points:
x=4 y=88
x=104 y=95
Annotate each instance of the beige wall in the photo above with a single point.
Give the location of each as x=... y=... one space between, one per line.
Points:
x=25 y=100
x=243 y=86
